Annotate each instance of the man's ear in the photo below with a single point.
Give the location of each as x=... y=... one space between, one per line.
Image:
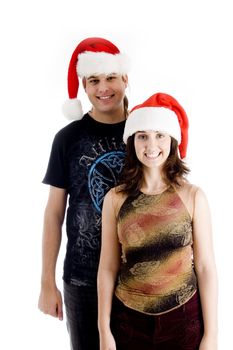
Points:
x=84 y=81
x=125 y=80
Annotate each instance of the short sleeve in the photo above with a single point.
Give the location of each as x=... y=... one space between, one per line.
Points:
x=56 y=174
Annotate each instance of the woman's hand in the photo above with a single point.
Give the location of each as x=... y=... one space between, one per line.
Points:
x=107 y=341
x=208 y=342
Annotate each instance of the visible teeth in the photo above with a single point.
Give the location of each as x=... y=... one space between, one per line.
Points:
x=104 y=97
x=152 y=155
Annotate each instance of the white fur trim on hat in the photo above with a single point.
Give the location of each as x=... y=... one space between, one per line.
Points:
x=96 y=63
x=152 y=118
x=72 y=109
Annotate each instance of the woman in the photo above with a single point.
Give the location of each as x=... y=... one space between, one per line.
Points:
x=157 y=284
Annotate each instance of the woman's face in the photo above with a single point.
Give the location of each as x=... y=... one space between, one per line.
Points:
x=152 y=147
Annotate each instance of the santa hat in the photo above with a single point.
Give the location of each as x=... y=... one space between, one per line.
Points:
x=92 y=56
x=160 y=112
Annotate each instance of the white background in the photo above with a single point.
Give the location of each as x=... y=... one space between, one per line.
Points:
x=181 y=47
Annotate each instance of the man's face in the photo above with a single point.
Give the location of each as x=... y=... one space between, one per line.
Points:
x=106 y=92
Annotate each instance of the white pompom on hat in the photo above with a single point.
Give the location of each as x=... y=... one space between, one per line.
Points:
x=160 y=112
x=92 y=56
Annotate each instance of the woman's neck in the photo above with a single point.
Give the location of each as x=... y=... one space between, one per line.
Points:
x=153 y=182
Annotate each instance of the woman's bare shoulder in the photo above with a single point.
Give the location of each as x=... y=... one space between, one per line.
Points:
x=117 y=197
x=187 y=192
x=187 y=188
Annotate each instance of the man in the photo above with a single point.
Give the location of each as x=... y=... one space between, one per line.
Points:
x=85 y=162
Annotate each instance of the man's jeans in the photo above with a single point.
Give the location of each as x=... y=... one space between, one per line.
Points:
x=81 y=314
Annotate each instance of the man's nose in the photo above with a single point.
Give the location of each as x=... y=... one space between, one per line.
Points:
x=103 y=85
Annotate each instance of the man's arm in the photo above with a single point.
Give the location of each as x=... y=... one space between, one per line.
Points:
x=50 y=300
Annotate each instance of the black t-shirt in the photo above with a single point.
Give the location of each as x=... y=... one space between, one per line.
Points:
x=86 y=159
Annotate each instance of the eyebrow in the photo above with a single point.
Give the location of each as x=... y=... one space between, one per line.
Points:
x=96 y=76
x=147 y=131
x=92 y=77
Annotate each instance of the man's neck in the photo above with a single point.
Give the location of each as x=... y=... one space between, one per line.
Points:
x=108 y=117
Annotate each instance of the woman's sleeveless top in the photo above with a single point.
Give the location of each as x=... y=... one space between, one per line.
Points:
x=157 y=272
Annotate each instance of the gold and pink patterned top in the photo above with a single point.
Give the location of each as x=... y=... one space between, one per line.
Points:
x=157 y=272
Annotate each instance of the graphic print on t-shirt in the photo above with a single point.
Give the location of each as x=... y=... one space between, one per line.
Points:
x=103 y=165
x=103 y=176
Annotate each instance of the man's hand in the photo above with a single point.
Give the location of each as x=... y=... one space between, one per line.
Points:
x=50 y=302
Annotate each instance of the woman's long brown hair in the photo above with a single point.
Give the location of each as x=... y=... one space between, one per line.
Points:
x=131 y=179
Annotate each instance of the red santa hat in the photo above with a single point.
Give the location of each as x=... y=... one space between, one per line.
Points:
x=92 y=56
x=160 y=112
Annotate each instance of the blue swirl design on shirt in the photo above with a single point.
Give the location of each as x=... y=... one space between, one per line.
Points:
x=103 y=175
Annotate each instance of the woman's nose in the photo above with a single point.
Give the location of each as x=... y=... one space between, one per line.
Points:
x=152 y=143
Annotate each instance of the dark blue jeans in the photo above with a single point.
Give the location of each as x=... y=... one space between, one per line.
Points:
x=180 y=329
x=81 y=315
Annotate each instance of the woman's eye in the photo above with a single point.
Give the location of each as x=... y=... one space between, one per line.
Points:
x=141 y=137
